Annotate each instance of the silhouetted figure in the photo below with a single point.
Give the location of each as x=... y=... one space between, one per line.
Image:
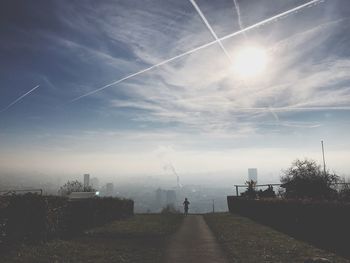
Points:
x=186 y=203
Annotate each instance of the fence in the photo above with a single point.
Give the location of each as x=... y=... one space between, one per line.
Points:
x=20 y=191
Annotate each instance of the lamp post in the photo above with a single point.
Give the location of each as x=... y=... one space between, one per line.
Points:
x=324 y=162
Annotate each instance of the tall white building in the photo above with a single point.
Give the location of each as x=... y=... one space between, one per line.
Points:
x=94 y=182
x=86 y=180
x=253 y=174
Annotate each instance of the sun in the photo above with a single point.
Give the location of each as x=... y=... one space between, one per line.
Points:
x=250 y=61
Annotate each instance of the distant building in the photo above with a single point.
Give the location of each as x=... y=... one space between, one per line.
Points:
x=86 y=180
x=170 y=197
x=165 y=197
x=160 y=197
x=94 y=182
x=109 y=189
x=253 y=174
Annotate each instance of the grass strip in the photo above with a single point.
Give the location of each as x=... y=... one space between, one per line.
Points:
x=247 y=241
x=141 y=238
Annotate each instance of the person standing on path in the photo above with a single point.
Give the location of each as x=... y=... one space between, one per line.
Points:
x=186 y=203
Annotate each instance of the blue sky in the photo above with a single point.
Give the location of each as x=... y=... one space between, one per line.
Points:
x=193 y=112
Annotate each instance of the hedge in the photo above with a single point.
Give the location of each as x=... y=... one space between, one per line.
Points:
x=35 y=218
x=84 y=214
x=326 y=224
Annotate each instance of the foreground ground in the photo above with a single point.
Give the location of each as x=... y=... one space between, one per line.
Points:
x=171 y=238
x=139 y=239
x=246 y=241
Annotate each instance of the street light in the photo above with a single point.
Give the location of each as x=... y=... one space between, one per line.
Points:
x=324 y=162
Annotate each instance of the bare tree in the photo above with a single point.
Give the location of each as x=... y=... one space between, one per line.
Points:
x=306 y=179
x=251 y=192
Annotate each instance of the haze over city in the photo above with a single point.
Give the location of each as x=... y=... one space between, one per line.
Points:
x=65 y=108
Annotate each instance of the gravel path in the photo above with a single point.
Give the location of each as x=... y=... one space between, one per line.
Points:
x=194 y=242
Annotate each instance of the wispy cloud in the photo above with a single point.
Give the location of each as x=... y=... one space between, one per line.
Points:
x=207 y=95
x=217 y=40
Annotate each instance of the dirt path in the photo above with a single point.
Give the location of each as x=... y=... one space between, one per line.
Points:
x=194 y=242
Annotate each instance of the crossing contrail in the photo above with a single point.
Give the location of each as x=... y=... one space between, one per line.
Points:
x=210 y=29
x=293 y=109
x=271 y=19
x=18 y=99
x=238 y=11
x=261 y=23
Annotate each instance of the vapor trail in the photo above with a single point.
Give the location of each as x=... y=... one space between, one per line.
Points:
x=238 y=11
x=310 y=3
x=20 y=98
x=291 y=109
x=268 y=20
x=210 y=29
x=274 y=114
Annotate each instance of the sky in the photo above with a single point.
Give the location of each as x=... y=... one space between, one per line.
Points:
x=195 y=113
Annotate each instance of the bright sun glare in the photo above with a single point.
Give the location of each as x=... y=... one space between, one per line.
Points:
x=250 y=61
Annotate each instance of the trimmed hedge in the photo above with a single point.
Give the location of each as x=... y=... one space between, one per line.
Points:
x=36 y=218
x=326 y=224
x=84 y=214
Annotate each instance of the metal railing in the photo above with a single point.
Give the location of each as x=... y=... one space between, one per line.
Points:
x=267 y=185
x=258 y=185
x=15 y=191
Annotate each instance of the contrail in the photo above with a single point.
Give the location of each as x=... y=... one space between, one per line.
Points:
x=295 y=9
x=20 y=98
x=238 y=11
x=210 y=29
x=268 y=20
x=290 y=109
x=274 y=114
